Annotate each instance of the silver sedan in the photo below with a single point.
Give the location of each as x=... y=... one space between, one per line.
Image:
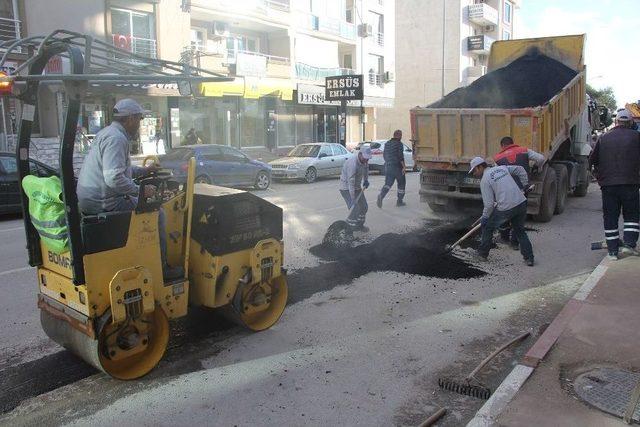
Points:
x=310 y=161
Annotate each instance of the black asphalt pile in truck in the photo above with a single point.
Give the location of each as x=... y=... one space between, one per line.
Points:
x=529 y=81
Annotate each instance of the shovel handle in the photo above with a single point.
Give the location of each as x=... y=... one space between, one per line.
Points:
x=466 y=236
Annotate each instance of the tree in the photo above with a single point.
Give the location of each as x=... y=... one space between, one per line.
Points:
x=603 y=96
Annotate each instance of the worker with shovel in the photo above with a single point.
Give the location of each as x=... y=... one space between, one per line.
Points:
x=353 y=181
x=503 y=201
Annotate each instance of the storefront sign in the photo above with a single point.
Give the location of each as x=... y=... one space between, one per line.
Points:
x=251 y=65
x=344 y=88
x=313 y=95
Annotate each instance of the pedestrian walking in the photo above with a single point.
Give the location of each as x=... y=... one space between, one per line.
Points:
x=616 y=165
x=353 y=180
x=503 y=201
x=515 y=155
x=394 y=168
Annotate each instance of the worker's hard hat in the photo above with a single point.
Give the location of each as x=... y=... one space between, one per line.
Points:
x=477 y=161
x=128 y=107
x=366 y=152
x=623 y=115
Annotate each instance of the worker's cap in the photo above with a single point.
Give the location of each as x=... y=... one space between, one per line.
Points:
x=366 y=152
x=623 y=115
x=477 y=161
x=397 y=134
x=128 y=107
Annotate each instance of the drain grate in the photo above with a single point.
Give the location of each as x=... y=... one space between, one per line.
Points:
x=608 y=389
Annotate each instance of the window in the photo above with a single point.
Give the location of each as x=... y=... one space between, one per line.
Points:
x=240 y=43
x=377 y=26
x=347 y=61
x=198 y=38
x=231 y=155
x=133 y=31
x=178 y=154
x=376 y=69
x=338 y=150
x=350 y=12
x=213 y=154
x=507 y=12
x=326 y=149
x=506 y=35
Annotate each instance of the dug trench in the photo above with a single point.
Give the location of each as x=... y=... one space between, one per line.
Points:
x=201 y=333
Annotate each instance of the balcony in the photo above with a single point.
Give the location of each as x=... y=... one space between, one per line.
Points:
x=479 y=45
x=308 y=72
x=482 y=14
x=474 y=73
x=253 y=63
x=335 y=27
x=138 y=45
x=377 y=39
x=9 y=29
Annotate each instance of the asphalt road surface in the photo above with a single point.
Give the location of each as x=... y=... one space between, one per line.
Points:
x=363 y=340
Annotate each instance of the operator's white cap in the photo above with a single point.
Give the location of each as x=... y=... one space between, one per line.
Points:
x=476 y=162
x=366 y=152
x=623 y=115
x=128 y=107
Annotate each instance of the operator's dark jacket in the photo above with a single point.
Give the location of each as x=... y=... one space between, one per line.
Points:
x=393 y=153
x=616 y=157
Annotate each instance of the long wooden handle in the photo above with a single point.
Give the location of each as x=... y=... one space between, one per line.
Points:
x=466 y=236
x=495 y=353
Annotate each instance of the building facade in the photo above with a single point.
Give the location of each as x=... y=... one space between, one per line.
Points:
x=278 y=53
x=445 y=45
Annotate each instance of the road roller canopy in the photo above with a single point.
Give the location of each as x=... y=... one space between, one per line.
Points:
x=94 y=67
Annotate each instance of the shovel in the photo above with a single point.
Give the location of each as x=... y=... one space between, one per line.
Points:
x=476 y=227
x=339 y=234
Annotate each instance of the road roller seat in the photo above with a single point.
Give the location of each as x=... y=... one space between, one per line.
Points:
x=105 y=231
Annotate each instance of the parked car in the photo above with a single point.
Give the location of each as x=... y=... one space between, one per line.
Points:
x=218 y=164
x=311 y=161
x=377 y=161
x=9 y=186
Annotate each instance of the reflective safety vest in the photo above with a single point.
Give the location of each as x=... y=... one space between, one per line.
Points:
x=46 y=210
x=513 y=155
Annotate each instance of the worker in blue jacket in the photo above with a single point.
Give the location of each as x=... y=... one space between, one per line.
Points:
x=394 y=168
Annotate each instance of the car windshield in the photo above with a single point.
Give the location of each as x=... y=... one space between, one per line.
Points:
x=179 y=154
x=304 y=151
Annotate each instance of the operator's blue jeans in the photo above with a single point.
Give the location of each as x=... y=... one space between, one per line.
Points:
x=359 y=213
x=129 y=204
x=517 y=216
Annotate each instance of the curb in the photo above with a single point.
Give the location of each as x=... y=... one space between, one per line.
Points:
x=508 y=388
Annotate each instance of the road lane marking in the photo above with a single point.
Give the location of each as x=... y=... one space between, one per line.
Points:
x=15 y=270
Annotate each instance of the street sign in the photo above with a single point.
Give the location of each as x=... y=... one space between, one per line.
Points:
x=344 y=88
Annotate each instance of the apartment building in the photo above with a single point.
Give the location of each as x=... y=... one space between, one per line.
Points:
x=445 y=44
x=278 y=53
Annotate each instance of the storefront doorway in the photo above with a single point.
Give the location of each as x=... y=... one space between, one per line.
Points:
x=326 y=124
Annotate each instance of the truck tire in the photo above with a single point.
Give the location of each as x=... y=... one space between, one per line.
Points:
x=562 y=177
x=548 y=198
x=583 y=177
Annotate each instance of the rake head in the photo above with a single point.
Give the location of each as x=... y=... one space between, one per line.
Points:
x=465 y=388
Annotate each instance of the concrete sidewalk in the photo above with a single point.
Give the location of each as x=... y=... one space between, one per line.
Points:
x=594 y=340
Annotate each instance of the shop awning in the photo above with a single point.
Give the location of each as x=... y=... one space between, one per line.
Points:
x=250 y=88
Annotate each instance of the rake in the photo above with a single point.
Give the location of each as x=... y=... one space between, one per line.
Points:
x=477 y=390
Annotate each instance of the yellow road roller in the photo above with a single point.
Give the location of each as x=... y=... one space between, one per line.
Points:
x=104 y=298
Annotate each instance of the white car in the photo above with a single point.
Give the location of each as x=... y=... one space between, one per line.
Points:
x=310 y=161
x=377 y=161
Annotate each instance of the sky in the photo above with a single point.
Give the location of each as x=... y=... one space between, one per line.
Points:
x=612 y=52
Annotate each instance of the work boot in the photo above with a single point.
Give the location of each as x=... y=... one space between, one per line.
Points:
x=379 y=201
x=400 y=203
x=172 y=273
x=613 y=256
x=529 y=262
x=629 y=250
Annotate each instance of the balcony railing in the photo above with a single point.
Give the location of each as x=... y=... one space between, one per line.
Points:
x=376 y=79
x=377 y=39
x=309 y=72
x=9 y=29
x=138 y=45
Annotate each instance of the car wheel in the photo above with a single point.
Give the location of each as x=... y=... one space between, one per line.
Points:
x=311 y=175
x=262 y=181
x=203 y=179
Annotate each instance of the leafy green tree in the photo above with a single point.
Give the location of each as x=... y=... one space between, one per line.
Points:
x=604 y=96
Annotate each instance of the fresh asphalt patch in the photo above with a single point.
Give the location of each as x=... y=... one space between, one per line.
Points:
x=415 y=252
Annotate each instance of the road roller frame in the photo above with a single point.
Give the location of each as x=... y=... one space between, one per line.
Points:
x=105 y=299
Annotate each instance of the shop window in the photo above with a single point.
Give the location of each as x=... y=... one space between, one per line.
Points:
x=304 y=124
x=252 y=124
x=286 y=126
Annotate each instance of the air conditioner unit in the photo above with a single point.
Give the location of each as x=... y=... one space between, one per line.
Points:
x=365 y=30
x=490 y=28
x=389 y=76
x=220 y=29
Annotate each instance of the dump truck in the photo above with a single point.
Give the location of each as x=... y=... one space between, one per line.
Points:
x=445 y=138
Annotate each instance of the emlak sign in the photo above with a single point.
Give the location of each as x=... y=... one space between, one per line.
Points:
x=344 y=88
